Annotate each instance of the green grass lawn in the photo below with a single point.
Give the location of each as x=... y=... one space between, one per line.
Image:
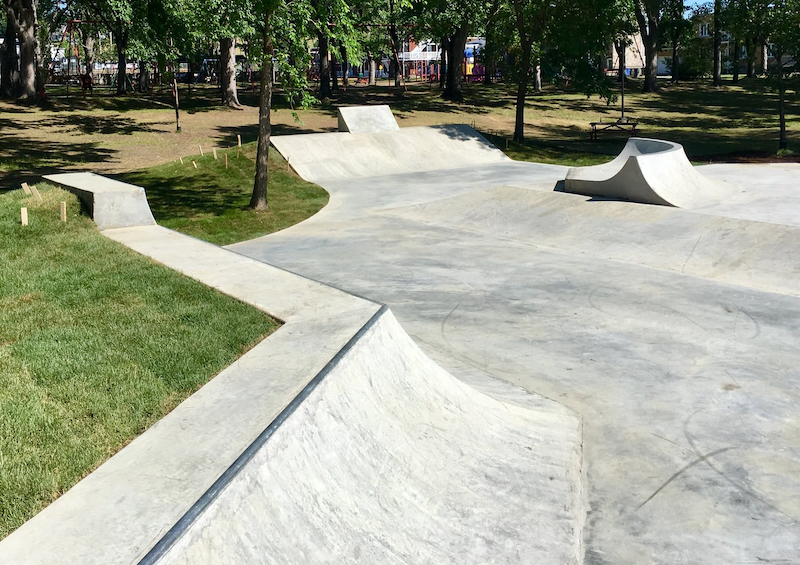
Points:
x=96 y=344
x=210 y=202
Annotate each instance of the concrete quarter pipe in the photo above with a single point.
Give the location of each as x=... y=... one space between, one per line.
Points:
x=649 y=171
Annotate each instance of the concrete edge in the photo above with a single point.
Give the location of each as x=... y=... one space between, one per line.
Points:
x=185 y=522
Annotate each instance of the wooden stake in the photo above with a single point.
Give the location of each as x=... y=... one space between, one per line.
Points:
x=201 y=149
x=25 y=188
x=215 y=153
x=63 y=211
x=226 y=160
x=23 y=213
x=181 y=158
x=35 y=192
x=239 y=139
x=195 y=164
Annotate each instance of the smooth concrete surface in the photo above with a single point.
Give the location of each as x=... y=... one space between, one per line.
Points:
x=110 y=203
x=366 y=119
x=650 y=171
x=749 y=253
x=329 y=156
x=392 y=460
x=388 y=458
x=679 y=352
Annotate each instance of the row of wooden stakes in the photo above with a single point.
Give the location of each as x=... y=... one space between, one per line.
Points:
x=33 y=191
x=238 y=149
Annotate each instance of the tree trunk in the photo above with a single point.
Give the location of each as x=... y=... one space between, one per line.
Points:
x=394 y=64
x=334 y=70
x=87 y=39
x=537 y=77
x=736 y=61
x=259 y=200
x=121 y=39
x=144 y=77
x=675 y=71
x=763 y=59
x=324 y=67
x=717 y=43
x=27 y=27
x=373 y=69
x=648 y=28
x=9 y=79
x=751 y=54
x=522 y=89
x=783 y=143
x=345 y=66
x=230 y=96
x=455 y=71
x=444 y=50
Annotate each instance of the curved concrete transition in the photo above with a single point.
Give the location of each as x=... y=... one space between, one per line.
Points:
x=335 y=440
x=331 y=156
x=389 y=459
x=649 y=171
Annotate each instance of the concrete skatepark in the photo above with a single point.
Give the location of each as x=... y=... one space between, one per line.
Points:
x=569 y=378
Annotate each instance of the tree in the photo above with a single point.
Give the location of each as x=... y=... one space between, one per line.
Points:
x=784 y=20
x=532 y=17
x=648 y=15
x=677 y=28
x=9 y=79
x=284 y=29
x=333 y=25
x=452 y=21
x=717 y=42
x=22 y=18
x=118 y=17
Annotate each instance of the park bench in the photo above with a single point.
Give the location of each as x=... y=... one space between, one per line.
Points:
x=110 y=203
x=626 y=126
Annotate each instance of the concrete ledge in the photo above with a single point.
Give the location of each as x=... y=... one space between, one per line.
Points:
x=649 y=171
x=110 y=203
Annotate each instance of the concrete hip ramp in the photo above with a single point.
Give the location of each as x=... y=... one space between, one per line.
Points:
x=390 y=459
x=649 y=171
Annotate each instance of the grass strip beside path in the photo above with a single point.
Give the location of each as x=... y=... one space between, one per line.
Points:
x=210 y=202
x=96 y=344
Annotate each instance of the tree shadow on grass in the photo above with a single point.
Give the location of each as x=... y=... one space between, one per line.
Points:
x=29 y=159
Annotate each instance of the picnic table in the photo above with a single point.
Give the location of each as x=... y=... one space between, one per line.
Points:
x=626 y=125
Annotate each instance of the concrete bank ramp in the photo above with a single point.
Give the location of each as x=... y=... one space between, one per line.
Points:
x=649 y=171
x=319 y=157
x=366 y=119
x=389 y=459
x=729 y=250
